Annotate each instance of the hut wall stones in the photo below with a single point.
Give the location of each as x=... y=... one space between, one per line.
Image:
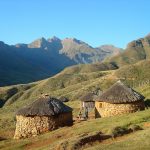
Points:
x=104 y=109
x=32 y=126
x=44 y=114
x=118 y=99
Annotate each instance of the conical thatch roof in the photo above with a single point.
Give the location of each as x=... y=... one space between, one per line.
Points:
x=45 y=106
x=120 y=93
x=88 y=97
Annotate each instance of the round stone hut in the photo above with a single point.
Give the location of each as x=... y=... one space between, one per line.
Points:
x=118 y=99
x=87 y=101
x=88 y=105
x=45 y=114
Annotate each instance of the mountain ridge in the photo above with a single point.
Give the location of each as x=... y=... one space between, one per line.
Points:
x=42 y=58
x=136 y=50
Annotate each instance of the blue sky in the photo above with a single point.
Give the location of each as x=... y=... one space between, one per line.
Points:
x=96 y=22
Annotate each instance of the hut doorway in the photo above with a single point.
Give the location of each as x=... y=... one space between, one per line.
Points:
x=88 y=105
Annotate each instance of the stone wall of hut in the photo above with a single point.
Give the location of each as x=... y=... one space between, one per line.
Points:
x=32 y=126
x=103 y=109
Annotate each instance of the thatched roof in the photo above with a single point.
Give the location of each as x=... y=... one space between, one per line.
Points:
x=45 y=106
x=88 y=97
x=120 y=93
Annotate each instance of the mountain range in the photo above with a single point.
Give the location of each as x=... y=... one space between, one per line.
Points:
x=42 y=58
x=132 y=66
x=23 y=63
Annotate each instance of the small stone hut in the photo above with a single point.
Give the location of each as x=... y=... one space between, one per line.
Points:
x=87 y=101
x=118 y=99
x=45 y=114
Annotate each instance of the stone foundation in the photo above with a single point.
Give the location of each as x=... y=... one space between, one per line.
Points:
x=32 y=126
x=104 y=109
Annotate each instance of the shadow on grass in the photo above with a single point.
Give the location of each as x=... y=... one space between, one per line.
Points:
x=1 y=103
x=2 y=139
x=147 y=103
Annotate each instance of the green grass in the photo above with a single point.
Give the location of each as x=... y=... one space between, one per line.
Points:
x=136 y=141
x=29 y=92
x=74 y=133
x=73 y=85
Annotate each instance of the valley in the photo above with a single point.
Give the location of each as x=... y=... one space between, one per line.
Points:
x=67 y=84
x=72 y=83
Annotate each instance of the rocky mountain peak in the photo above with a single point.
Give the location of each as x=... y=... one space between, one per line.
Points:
x=39 y=43
x=147 y=36
x=141 y=42
x=21 y=45
x=53 y=39
x=110 y=49
x=73 y=40
x=135 y=43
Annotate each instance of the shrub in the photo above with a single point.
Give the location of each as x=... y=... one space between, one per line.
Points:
x=118 y=131
x=134 y=128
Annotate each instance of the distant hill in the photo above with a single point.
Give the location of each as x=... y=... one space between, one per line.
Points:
x=74 y=81
x=20 y=64
x=71 y=76
x=23 y=63
x=136 y=50
x=135 y=74
x=83 y=53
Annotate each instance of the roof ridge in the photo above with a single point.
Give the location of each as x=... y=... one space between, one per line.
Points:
x=120 y=93
x=46 y=106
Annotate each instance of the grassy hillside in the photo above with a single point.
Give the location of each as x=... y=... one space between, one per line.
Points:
x=136 y=74
x=65 y=83
x=136 y=141
x=89 y=68
x=70 y=137
x=72 y=83
x=87 y=77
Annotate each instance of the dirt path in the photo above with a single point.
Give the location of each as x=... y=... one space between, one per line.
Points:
x=47 y=141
